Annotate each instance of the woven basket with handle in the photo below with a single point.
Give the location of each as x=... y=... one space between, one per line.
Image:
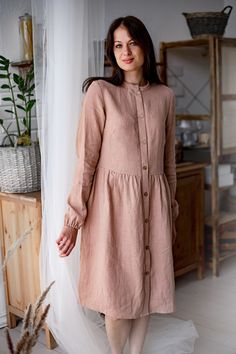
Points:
x=202 y=24
x=20 y=169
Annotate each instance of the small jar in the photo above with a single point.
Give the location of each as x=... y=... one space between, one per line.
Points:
x=26 y=38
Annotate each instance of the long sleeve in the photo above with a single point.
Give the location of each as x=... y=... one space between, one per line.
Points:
x=88 y=145
x=169 y=156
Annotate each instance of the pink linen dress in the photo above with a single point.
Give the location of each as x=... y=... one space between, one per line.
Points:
x=123 y=198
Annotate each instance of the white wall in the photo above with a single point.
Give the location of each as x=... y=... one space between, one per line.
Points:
x=231 y=26
x=164 y=19
x=10 y=10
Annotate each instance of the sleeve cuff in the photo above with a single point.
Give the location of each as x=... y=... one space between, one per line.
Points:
x=72 y=223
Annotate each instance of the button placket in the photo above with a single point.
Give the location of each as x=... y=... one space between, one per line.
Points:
x=145 y=188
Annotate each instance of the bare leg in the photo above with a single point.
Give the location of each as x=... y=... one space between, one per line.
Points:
x=117 y=333
x=137 y=334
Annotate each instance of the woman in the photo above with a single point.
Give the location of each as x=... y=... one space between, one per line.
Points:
x=123 y=195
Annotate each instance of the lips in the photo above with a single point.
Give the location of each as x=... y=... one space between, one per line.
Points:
x=128 y=61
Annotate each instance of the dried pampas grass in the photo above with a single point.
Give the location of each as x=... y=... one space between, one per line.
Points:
x=33 y=321
x=11 y=250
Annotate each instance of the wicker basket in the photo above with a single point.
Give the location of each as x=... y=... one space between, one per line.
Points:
x=20 y=169
x=202 y=24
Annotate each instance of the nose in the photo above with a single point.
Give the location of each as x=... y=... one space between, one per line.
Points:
x=126 y=49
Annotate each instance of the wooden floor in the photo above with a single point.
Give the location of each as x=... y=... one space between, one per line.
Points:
x=210 y=303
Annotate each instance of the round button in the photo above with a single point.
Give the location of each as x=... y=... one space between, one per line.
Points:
x=145 y=167
x=138 y=92
x=144 y=141
x=146 y=221
x=145 y=194
x=141 y=115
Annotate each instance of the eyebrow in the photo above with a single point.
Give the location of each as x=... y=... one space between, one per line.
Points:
x=121 y=41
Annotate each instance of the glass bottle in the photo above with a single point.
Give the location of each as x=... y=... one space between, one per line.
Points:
x=26 y=40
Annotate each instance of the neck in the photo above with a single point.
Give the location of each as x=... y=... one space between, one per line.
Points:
x=135 y=78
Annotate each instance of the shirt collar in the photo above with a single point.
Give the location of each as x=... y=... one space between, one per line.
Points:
x=135 y=87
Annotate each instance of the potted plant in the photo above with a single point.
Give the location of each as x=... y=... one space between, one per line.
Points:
x=19 y=155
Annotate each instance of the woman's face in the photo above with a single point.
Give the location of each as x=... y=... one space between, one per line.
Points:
x=129 y=55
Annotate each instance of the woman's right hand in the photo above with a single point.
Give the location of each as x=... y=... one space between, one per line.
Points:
x=66 y=240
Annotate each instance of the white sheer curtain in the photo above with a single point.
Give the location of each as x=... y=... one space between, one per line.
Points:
x=63 y=57
x=68 y=48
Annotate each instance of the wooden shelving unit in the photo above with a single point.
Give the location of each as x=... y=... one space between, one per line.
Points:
x=221 y=53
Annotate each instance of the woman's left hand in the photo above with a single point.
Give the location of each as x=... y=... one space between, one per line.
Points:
x=66 y=240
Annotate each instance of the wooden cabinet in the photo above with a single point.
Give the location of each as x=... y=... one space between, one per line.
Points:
x=188 y=250
x=20 y=218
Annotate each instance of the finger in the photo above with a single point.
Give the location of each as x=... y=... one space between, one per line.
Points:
x=68 y=251
x=66 y=246
x=61 y=238
x=63 y=241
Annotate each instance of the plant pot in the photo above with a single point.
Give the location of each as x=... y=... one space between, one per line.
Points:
x=20 y=169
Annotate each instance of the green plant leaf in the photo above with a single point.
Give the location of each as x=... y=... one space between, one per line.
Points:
x=31 y=88
x=7 y=99
x=30 y=74
x=16 y=79
x=21 y=97
x=3 y=58
x=24 y=122
x=3 y=76
x=21 y=107
x=9 y=111
x=5 y=86
x=30 y=105
x=1 y=121
x=5 y=65
x=22 y=87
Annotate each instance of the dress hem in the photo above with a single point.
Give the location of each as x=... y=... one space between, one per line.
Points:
x=169 y=310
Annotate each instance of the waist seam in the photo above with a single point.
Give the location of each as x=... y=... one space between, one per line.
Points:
x=126 y=173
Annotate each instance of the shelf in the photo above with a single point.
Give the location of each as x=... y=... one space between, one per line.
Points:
x=22 y=63
x=193 y=117
x=223 y=256
x=198 y=42
x=228 y=235
x=197 y=147
x=187 y=43
x=212 y=48
x=228 y=151
x=224 y=188
x=225 y=218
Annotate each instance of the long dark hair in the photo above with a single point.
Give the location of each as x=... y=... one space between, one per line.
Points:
x=139 y=33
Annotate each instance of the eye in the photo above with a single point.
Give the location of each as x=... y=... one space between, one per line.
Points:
x=133 y=43
x=118 y=45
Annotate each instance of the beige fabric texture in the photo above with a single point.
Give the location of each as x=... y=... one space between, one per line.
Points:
x=123 y=199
